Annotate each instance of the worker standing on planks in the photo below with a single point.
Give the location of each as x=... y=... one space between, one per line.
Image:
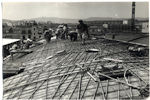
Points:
x=83 y=31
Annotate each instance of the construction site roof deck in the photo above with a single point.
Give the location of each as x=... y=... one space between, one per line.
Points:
x=67 y=70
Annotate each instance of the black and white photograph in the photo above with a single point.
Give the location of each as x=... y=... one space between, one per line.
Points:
x=75 y=50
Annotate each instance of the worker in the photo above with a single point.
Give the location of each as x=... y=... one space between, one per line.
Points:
x=83 y=31
x=59 y=32
x=48 y=35
x=28 y=42
x=65 y=31
x=14 y=47
x=73 y=35
x=22 y=43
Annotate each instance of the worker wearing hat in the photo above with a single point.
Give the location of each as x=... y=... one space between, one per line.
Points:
x=83 y=31
x=48 y=35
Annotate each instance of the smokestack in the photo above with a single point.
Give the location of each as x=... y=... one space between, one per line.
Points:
x=133 y=16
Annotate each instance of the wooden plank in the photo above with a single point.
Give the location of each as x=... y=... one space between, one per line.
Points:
x=106 y=92
x=96 y=90
x=80 y=83
x=102 y=89
x=118 y=91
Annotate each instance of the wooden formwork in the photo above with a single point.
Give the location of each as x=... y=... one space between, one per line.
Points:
x=51 y=76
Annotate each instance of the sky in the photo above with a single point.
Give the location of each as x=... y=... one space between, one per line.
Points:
x=27 y=10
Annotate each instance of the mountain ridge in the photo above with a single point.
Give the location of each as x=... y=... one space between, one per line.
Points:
x=65 y=20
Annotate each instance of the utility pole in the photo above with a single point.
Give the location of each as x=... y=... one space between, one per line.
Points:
x=133 y=17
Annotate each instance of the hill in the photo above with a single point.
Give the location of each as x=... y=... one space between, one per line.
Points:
x=66 y=20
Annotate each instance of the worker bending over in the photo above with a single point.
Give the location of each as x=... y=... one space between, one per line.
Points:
x=48 y=35
x=73 y=35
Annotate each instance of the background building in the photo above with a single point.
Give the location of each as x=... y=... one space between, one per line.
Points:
x=117 y=26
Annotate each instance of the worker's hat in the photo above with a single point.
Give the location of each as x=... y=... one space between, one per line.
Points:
x=80 y=20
